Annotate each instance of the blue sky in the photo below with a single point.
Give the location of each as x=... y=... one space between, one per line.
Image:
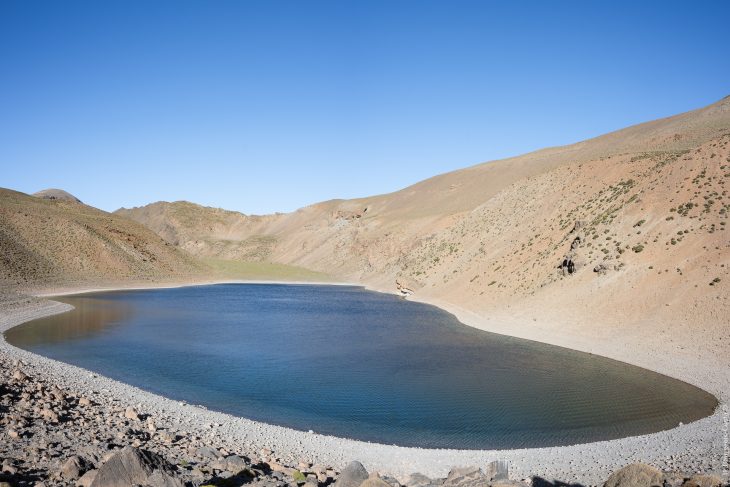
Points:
x=263 y=106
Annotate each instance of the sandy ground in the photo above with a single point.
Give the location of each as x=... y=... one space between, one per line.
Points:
x=697 y=447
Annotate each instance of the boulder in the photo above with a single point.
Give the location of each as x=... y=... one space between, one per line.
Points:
x=50 y=415
x=57 y=393
x=352 y=475
x=375 y=481
x=420 y=480
x=8 y=467
x=235 y=464
x=576 y=242
x=568 y=265
x=392 y=481
x=20 y=376
x=131 y=414
x=162 y=479
x=87 y=478
x=75 y=467
x=168 y=437
x=578 y=225
x=131 y=466
x=497 y=470
x=636 y=475
x=84 y=402
x=466 y=477
x=278 y=467
x=207 y=452
x=674 y=479
x=703 y=481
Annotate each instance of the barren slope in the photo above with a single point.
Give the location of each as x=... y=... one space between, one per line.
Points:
x=47 y=241
x=205 y=231
x=376 y=239
x=650 y=203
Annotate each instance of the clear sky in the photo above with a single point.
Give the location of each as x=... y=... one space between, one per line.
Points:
x=263 y=106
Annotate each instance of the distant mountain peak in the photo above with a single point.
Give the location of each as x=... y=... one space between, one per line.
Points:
x=56 y=194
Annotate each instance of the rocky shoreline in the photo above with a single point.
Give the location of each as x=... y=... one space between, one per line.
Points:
x=55 y=438
x=58 y=418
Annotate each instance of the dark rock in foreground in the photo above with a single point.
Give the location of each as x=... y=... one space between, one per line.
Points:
x=352 y=475
x=75 y=467
x=130 y=467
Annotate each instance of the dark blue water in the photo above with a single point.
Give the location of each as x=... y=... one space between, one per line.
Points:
x=358 y=364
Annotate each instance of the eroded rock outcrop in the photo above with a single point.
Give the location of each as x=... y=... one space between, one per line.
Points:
x=403 y=289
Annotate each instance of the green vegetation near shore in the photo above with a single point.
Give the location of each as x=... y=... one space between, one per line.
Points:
x=264 y=271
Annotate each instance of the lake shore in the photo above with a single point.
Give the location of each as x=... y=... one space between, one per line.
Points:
x=696 y=447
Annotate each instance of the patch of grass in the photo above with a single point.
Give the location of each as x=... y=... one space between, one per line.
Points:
x=298 y=476
x=263 y=271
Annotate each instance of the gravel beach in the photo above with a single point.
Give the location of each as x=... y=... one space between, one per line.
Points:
x=695 y=447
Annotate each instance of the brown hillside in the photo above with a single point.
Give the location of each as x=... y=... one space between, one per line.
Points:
x=206 y=232
x=58 y=240
x=388 y=235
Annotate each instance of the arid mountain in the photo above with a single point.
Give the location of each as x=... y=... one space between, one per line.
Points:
x=56 y=239
x=206 y=232
x=56 y=194
x=638 y=215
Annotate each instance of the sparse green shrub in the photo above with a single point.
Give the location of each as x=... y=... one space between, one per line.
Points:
x=637 y=248
x=298 y=476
